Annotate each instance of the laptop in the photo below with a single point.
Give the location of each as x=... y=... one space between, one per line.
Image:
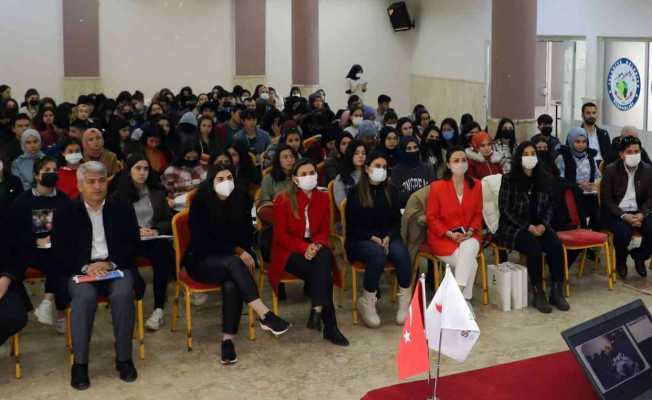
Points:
x=615 y=352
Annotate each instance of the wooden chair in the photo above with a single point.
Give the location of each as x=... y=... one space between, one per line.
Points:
x=267 y=171
x=310 y=141
x=190 y=197
x=14 y=352
x=336 y=236
x=139 y=329
x=359 y=267
x=321 y=173
x=181 y=234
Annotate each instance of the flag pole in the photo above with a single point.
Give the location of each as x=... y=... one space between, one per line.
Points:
x=434 y=393
x=422 y=281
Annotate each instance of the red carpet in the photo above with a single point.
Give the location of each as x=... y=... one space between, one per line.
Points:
x=555 y=376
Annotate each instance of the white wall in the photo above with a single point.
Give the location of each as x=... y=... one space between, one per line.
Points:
x=31 y=50
x=150 y=44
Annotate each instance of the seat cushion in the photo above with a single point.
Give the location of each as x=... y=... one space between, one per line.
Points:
x=582 y=237
x=142 y=262
x=193 y=284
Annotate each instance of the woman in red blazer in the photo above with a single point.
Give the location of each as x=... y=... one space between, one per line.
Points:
x=454 y=215
x=300 y=246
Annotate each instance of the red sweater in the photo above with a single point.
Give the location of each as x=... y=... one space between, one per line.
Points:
x=67 y=182
x=444 y=212
x=289 y=231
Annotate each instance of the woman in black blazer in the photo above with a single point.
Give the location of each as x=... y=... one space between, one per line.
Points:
x=139 y=186
x=525 y=224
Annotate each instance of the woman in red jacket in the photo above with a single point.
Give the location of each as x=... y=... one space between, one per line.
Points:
x=484 y=160
x=300 y=246
x=454 y=215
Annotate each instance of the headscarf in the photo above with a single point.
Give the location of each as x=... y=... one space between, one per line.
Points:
x=30 y=133
x=573 y=135
x=478 y=138
x=411 y=160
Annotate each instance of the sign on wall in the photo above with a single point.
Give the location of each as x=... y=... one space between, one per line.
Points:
x=623 y=84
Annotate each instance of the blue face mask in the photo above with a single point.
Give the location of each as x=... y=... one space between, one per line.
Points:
x=448 y=134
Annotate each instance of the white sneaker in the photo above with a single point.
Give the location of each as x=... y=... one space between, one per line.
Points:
x=155 y=320
x=404 y=300
x=44 y=312
x=366 y=306
x=197 y=299
x=60 y=325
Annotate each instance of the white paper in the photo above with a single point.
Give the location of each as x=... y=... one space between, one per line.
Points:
x=500 y=286
x=156 y=237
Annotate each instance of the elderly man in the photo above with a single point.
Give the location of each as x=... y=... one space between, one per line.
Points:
x=615 y=144
x=105 y=236
x=93 y=147
x=626 y=194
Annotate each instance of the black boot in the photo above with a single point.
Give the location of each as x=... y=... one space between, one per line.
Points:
x=281 y=292
x=557 y=297
x=540 y=301
x=331 y=332
x=314 y=321
x=79 y=377
x=639 y=263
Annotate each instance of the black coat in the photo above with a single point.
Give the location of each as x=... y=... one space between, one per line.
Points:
x=614 y=186
x=120 y=229
x=605 y=143
x=570 y=166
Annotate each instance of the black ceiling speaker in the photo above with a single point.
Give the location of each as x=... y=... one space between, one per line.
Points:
x=399 y=16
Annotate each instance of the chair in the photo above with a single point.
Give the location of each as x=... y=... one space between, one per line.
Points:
x=310 y=141
x=359 y=267
x=425 y=253
x=190 y=197
x=267 y=171
x=321 y=173
x=139 y=329
x=583 y=239
x=181 y=234
x=338 y=237
x=14 y=352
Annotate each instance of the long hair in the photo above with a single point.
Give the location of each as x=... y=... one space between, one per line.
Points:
x=293 y=189
x=432 y=151
x=364 y=186
x=517 y=175
x=347 y=166
x=354 y=71
x=230 y=208
x=277 y=171
x=126 y=190
x=499 y=133
x=448 y=174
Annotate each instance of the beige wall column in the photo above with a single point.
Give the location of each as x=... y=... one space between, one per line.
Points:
x=249 y=43
x=305 y=45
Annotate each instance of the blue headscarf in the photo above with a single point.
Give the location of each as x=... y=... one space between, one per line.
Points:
x=573 y=135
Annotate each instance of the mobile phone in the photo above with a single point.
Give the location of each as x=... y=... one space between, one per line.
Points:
x=459 y=229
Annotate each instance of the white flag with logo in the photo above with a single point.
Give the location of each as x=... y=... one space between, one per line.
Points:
x=449 y=314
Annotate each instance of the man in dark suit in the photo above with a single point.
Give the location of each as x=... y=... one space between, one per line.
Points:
x=105 y=236
x=626 y=193
x=14 y=302
x=598 y=138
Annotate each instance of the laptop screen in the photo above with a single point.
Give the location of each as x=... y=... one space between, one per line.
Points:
x=615 y=351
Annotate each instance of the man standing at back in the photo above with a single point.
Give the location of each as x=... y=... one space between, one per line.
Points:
x=598 y=138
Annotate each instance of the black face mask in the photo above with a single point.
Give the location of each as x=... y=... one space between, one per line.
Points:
x=589 y=121
x=12 y=112
x=546 y=130
x=33 y=103
x=49 y=179
x=412 y=158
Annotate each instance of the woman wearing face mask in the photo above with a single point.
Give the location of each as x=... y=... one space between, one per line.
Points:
x=432 y=152
x=483 y=159
x=467 y=133
x=139 y=187
x=31 y=104
x=355 y=82
x=221 y=236
x=454 y=214
x=247 y=174
x=23 y=166
x=373 y=236
x=33 y=217
x=351 y=170
x=505 y=141
x=577 y=165
x=525 y=224
x=335 y=161
x=410 y=173
x=389 y=141
x=450 y=133
x=300 y=247
x=69 y=160
x=423 y=120
x=182 y=176
x=355 y=119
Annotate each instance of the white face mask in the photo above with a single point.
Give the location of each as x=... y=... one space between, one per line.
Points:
x=529 y=162
x=632 y=160
x=264 y=96
x=307 y=182
x=224 y=188
x=459 y=168
x=73 y=158
x=378 y=175
x=355 y=121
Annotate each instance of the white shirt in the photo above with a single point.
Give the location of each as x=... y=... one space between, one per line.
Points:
x=628 y=203
x=99 y=249
x=594 y=143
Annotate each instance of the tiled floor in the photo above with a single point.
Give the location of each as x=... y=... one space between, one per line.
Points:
x=299 y=365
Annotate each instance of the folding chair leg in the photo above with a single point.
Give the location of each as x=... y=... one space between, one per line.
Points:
x=609 y=266
x=261 y=280
x=175 y=308
x=274 y=302
x=566 y=278
x=485 y=280
x=580 y=269
x=71 y=355
x=340 y=301
x=354 y=295
x=496 y=255
x=251 y=322
x=141 y=329
x=436 y=273
x=15 y=353
x=188 y=320
x=394 y=289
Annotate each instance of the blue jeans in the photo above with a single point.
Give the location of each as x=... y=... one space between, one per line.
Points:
x=374 y=256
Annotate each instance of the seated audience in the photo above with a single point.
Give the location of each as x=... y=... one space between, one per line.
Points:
x=139 y=187
x=615 y=145
x=255 y=139
x=410 y=173
x=280 y=177
x=93 y=149
x=10 y=187
x=14 y=301
x=183 y=175
x=69 y=160
x=373 y=236
x=524 y=224
x=23 y=166
x=351 y=170
x=301 y=247
x=544 y=125
x=432 y=150
x=388 y=145
x=334 y=161
x=11 y=147
x=505 y=141
x=157 y=155
x=454 y=215
x=626 y=196
x=598 y=138
x=247 y=175
x=483 y=159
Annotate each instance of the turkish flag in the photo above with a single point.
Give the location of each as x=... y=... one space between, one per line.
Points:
x=412 y=356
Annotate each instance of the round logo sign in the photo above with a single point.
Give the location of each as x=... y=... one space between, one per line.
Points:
x=623 y=84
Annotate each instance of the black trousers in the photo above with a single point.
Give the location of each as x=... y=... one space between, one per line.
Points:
x=318 y=273
x=592 y=211
x=622 y=232
x=237 y=285
x=13 y=316
x=533 y=247
x=161 y=255
x=55 y=282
